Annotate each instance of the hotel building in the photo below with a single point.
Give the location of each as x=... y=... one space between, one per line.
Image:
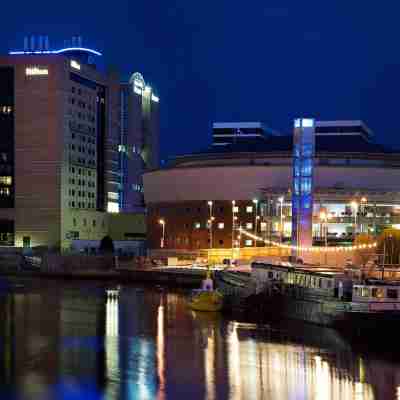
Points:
x=60 y=153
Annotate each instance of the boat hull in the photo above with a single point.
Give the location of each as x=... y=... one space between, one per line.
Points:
x=344 y=316
x=206 y=301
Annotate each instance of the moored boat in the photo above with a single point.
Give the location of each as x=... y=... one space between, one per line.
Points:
x=324 y=296
x=206 y=298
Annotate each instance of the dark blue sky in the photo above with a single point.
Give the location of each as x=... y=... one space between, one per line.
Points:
x=235 y=60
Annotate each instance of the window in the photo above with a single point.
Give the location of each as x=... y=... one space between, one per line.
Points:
x=249 y=225
x=221 y=225
x=391 y=294
x=5 y=180
x=197 y=225
x=249 y=209
x=263 y=226
x=4 y=191
x=248 y=242
x=221 y=242
x=235 y=209
x=94 y=223
x=84 y=222
x=74 y=222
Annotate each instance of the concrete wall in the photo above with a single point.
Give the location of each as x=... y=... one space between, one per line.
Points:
x=245 y=182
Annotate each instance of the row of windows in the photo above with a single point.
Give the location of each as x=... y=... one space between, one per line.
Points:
x=5 y=180
x=235 y=209
x=81 y=127
x=79 y=204
x=82 y=149
x=219 y=225
x=80 y=171
x=6 y=110
x=84 y=139
x=5 y=192
x=85 y=222
x=81 y=193
x=81 y=182
x=83 y=161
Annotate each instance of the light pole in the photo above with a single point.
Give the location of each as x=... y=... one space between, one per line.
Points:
x=281 y=225
x=354 y=206
x=255 y=202
x=210 y=221
x=162 y=223
x=233 y=227
x=362 y=209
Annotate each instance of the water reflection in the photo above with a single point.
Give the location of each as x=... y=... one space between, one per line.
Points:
x=88 y=342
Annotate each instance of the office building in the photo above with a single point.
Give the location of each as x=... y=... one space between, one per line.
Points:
x=139 y=142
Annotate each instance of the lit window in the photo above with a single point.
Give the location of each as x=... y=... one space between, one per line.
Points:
x=112 y=207
x=249 y=209
x=263 y=226
x=155 y=98
x=4 y=191
x=5 y=180
x=235 y=209
x=249 y=225
x=75 y=64
x=113 y=196
x=197 y=225
x=221 y=225
x=122 y=148
x=248 y=242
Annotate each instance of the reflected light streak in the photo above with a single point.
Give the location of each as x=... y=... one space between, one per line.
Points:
x=209 y=358
x=160 y=352
x=234 y=364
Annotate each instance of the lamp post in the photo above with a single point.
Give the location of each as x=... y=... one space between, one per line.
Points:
x=162 y=223
x=281 y=225
x=362 y=209
x=210 y=222
x=233 y=226
x=255 y=202
x=354 y=206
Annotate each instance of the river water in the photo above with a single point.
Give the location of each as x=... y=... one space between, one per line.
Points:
x=84 y=341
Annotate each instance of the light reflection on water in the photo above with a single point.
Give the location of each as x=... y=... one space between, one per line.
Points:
x=66 y=342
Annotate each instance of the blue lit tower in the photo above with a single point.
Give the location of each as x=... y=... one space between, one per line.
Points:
x=302 y=186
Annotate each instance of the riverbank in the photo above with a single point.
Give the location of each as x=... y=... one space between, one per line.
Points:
x=180 y=277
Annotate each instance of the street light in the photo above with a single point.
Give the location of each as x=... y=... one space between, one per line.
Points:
x=281 y=199
x=233 y=225
x=210 y=205
x=354 y=206
x=363 y=204
x=255 y=201
x=162 y=223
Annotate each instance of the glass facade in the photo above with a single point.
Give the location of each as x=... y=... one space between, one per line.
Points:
x=302 y=190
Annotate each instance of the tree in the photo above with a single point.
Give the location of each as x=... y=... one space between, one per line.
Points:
x=106 y=245
x=389 y=246
x=363 y=255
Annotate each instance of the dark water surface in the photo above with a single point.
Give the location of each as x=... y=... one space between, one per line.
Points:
x=79 y=341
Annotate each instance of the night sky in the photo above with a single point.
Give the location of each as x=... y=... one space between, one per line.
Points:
x=235 y=60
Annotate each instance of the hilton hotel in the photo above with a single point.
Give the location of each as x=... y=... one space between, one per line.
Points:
x=60 y=148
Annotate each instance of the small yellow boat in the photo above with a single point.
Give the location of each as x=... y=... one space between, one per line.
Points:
x=206 y=300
